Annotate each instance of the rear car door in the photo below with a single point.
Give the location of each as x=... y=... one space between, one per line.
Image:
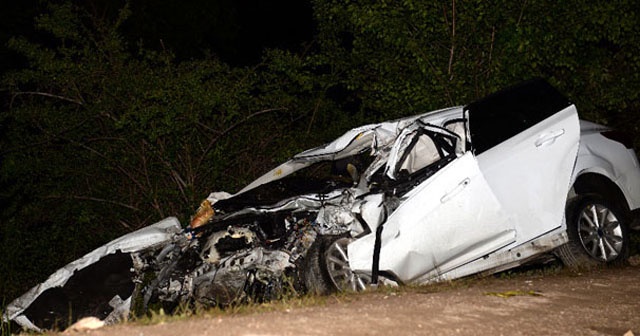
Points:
x=526 y=140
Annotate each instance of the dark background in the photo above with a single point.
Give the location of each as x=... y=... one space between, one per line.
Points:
x=235 y=30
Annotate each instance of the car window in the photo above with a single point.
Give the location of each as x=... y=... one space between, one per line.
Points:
x=423 y=153
x=421 y=150
x=457 y=127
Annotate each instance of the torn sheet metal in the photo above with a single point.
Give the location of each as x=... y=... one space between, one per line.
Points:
x=374 y=137
x=147 y=237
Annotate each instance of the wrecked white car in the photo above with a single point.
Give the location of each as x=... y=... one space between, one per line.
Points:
x=441 y=195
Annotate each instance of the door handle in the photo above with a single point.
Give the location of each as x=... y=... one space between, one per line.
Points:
x=463 y=184
x=548 y=138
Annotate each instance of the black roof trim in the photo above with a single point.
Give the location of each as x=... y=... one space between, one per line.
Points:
x=532 y=94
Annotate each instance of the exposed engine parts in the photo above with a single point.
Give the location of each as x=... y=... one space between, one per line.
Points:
x=237 y=264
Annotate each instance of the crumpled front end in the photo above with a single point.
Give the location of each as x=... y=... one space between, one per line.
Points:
x=255 y=254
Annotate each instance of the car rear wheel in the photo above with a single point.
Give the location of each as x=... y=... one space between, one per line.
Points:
x=327 y=267
x=598 y=233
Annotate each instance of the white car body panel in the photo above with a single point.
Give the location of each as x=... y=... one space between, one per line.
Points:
x=502 y=259
x=538 y=163
x=600 y=155
x=440 y=237
x=450 y=229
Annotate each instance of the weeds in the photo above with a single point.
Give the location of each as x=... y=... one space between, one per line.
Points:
x=5 y=328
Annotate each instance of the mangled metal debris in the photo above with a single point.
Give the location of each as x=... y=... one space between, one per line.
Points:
x=99 y=284
x=436 y=196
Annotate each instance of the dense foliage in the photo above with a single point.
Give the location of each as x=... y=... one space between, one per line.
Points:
x=400 y=56
x=100 y=135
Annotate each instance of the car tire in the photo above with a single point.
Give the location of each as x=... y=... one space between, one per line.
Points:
x=327 y=269
x=598 y=233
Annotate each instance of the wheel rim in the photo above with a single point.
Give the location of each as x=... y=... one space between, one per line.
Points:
x=340 y=273
x=600 y=232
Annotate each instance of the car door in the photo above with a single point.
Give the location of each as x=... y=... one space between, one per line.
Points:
x=447 y=220
x=526 y=142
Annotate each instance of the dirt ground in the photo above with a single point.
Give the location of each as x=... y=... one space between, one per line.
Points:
x=599 y=302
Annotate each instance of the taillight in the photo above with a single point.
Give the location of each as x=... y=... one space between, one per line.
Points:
x=620 y=137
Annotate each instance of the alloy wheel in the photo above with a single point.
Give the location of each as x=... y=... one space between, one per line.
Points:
x=600 y=232
x=341 y=275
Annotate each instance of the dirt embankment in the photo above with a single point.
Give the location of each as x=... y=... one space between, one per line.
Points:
x=600 y=302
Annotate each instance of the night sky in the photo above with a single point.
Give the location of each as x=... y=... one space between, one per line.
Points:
x=236 y=31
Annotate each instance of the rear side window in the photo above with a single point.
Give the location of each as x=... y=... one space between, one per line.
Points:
x=502 y=115
x=423 y=153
